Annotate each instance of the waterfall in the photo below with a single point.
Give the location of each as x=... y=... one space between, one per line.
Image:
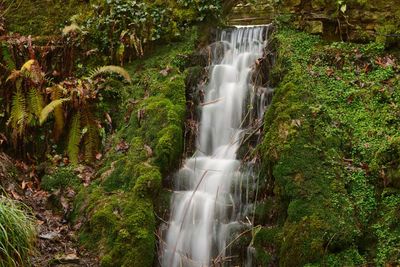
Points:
x=211 y=196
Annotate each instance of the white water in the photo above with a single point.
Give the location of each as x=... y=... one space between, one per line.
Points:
x=209 y=201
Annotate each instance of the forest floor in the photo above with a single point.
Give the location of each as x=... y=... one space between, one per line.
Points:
x=57 y=242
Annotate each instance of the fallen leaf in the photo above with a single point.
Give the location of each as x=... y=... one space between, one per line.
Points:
x=15 y=195
x=23 y=185
x=122 y=146
x=329 y=72
x=166 y=71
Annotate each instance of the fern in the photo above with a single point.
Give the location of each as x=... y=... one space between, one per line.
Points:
x=7 y=57
x=18 y=114
x=58 y=112
x=110 y=69
x=14 y=75
x=31 y=70
x=28 y=65
x=35 y=102
x=91 y=134
x=137 y=44
x=74 y=138
x=45 y=112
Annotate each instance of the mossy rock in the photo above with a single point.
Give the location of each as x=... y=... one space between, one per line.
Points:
x=328 y=152
x=122 y=223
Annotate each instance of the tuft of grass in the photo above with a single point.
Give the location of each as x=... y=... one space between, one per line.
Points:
x=17 y=234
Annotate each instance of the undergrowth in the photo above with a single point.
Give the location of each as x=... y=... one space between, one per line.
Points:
x=17 y=234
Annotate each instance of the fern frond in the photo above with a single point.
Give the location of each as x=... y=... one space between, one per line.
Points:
x=31 y=70
x=28 y=65
x=15 y=74
x=7 y=57
x=18 y=114
x=74 y=138
x=36 y=103
x=49 y=108
x=49 y=80
x=91 y=137
x=110 y=69
x=58 y=112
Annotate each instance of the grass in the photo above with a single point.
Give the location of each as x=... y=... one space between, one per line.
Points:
x=17 y=234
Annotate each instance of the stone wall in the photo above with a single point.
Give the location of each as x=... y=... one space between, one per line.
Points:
x=354 y=20
x=251 y=13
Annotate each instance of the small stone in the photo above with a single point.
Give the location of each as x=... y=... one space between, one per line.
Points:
x=50 y=236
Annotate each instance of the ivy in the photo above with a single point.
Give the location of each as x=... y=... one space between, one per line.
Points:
x=125 y=28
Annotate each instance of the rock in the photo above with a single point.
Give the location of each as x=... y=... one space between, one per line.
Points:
x=315 y=27
x=66 y=260
x=50 y=236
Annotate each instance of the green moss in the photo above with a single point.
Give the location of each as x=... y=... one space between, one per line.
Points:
x=119 y=205
x=350 y=257
x=33 y=17
x=148 y=182
x=123 y=224
x=169 y=147
x=330 y=148
x=264 y=239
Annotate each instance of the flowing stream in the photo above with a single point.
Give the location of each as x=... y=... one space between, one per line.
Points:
x=211 y=197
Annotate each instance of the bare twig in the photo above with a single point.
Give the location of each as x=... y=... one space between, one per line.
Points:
x=211 y=102
x=218 y=258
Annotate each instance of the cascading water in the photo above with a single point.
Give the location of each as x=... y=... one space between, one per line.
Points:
x=209 y=201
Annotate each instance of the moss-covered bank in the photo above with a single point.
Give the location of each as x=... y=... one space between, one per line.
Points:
x=40 y=17
x=119 y=205
x=331 y=156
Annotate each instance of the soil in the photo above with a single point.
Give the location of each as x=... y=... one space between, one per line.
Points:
x=57 y=243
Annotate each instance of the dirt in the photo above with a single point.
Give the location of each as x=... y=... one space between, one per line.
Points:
x=57 y=242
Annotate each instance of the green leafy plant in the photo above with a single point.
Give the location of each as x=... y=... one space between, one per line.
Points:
x=60 y=179
x=72 y=102
x=75 y=101
x=27 y=100
x=126 y=28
